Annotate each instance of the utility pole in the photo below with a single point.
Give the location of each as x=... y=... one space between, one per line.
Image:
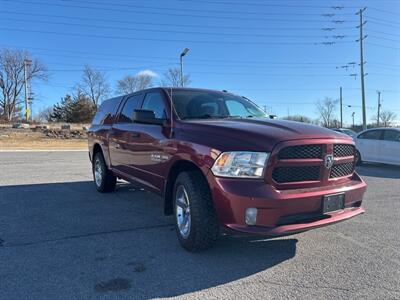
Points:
x=362 y=37
x=265 y=108
x=341 y=108
x=352 y=115
x=27 y=63
x=379 y=108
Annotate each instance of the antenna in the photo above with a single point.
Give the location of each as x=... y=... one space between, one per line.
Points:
x=171 y=113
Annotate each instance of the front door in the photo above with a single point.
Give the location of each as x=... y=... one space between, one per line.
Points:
x=368 y=144
x=390 y=149
x=150 y=153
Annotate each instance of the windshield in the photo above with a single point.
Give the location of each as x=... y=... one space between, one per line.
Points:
x=349 y=132
x=204 y=105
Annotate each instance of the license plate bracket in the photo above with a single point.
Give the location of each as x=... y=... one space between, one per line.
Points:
x=331 y=203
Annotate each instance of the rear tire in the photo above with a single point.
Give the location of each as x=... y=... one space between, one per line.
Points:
x=358 y=158
x=196 y=221
x=104 y=180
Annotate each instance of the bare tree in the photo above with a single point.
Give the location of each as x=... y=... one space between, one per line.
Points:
x=130 y=84
x=12 y=79
x=44 y=114
x=94 y=85
x=173 y=78
x=387 y=117
x=326 y=110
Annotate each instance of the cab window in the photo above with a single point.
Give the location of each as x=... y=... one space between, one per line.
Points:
x=155 y=102
x=391 y=135
x=106 y=112
x=131 y=104
x=371 y=135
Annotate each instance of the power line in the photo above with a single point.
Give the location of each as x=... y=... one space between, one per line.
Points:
x=384 y=24
x=202 y=10
x=202 y=26
x=164 y=13
x=384 y=38
x=384 y=11
x=383 y=20
x=383 y=46
x=171 y=31
x=259 y=4
x=382 y=32
x=164 y=40
x=200 y=61
x=114 y=55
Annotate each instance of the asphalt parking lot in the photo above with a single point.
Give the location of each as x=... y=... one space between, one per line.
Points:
x=60 y=239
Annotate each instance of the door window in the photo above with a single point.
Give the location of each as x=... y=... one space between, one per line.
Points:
x=155 y=102
x=371 y=135
x=131 y=104
x=391 y=135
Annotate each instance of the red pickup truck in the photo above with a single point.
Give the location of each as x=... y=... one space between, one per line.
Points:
x=221 y=164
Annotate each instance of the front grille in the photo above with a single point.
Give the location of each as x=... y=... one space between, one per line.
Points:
x=341 y=170
x=295 y=174
x=302 y=151
x=341 y=150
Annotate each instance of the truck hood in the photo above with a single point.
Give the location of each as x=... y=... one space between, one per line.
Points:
x=252 y=134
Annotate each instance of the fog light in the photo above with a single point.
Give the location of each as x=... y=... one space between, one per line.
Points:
x=251 y=216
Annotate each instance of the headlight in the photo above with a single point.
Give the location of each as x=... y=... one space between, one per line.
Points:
x=240 y=164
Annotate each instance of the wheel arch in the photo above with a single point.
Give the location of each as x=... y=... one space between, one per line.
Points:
x=96 y=148
x=177 y=167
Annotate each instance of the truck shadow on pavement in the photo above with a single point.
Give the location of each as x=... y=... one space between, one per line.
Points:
x=117 y=244
x=379 y=170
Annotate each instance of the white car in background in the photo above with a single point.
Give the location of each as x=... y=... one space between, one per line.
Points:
x=380 y=145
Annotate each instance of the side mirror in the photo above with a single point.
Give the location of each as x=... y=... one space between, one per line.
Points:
x=146 y=117
x=273 y=116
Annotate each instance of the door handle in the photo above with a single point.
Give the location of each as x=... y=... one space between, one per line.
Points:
x=135 y=134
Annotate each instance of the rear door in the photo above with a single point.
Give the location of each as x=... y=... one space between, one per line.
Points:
x=123 y=137
x=390 y=150
x=368 y=144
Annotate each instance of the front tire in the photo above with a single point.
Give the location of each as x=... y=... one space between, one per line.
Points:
x=104 y=180
x=195 y=217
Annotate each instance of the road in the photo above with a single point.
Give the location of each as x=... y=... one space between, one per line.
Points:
x=60 y=239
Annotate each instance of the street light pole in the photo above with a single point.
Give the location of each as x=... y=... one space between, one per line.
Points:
x=379 y=108
x=27 y=112
x=184 y=52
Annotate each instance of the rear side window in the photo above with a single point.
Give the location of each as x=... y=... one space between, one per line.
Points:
x=391 y=135
x=106 y=111
x=371 y=135
x=155 y=102
x=131 y=104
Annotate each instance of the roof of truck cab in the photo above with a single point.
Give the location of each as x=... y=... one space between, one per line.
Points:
x=195 y=90
x=168 y=89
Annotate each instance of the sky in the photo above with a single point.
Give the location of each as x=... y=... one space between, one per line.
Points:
x=278 y=53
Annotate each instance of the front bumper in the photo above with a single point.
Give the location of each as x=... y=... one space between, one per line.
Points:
x=281 y=212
